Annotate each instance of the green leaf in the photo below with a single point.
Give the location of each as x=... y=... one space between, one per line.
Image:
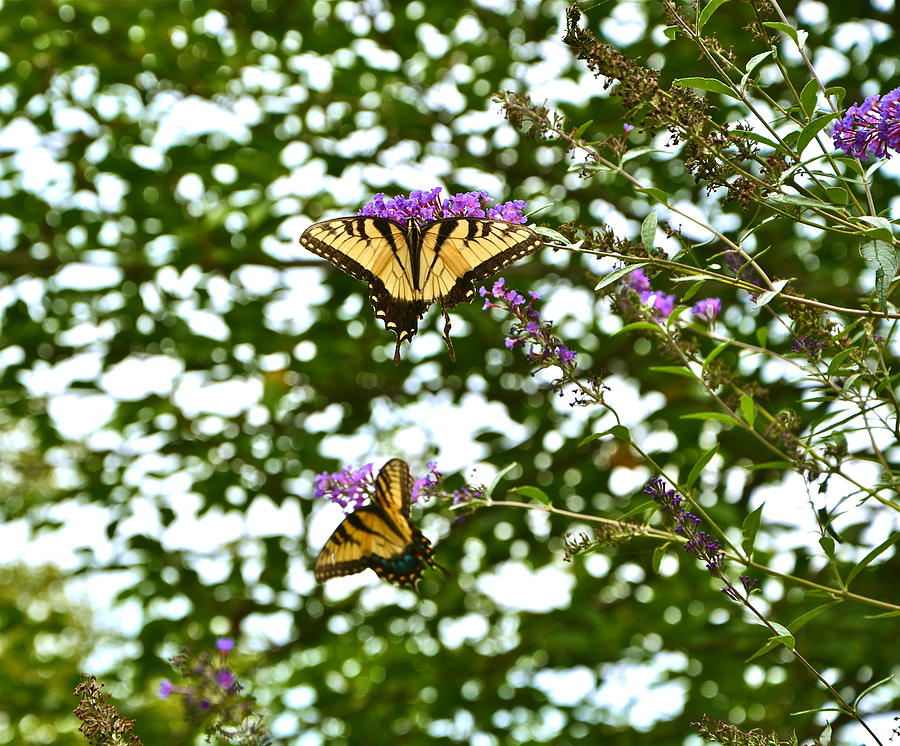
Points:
x=675 y=370
x=881 y=227
x=658 y=555
x=500 y=475
x=532 y=493
x=644 y=506
x=756 y=137
x=617 y=431
x=802 y=620
x=865 y=561
x=812 y=129
x=705 y=14
x=648 y=230
x=617 y=274
x=699 y=466
x=748 y=409
x=749 y=529
x=838 y=92
x=885 y=256
x=706 y=84
x=784 y=636
x=838 y=360
x=658 y=194
x=838 y=195
x=762 y=336
x=552 y=234
x=580 y=131
x=717 y=416
x=755 y=61
x=808 y=97
x=621 y=432
x=798 y=35
x=827 y=544
x=649 y=325
x=769 y=465
x=672 y=32
x=777 y=286
x=718 y=350
x=870 y=688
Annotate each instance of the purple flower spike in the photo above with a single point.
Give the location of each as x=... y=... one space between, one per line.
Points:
x=699 y=543
x=707 y=309
x=638 y=281
x=427 y=486
x=348 y=488
x=424 y=206
x=870 y=128
x=662 y=304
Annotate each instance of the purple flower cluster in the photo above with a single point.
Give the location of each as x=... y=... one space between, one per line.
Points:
x=544 y=347
x=221 y=675
x=699 y=543
x=213 y=696
x=426 y=205
x=659 y=303
x=741 y=269
x=427 y=486
x=809 y=345
x=707 y=309
x=870 y=128
x=350 y=488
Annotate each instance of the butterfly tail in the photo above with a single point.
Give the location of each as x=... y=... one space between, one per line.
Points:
x=447 y=334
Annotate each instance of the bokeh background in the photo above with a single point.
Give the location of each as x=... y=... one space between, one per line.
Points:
x=174 y=370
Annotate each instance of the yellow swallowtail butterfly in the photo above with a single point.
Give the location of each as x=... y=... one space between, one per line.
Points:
x=379 y=536
x=409 y=267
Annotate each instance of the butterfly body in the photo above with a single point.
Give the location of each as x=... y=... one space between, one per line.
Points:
x=410 y=266
x=379 y=536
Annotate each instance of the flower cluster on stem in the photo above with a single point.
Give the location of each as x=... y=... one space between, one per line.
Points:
x=426 y=205
x=699 y=543
x=542 y=346
x=871 y=128
x=213 y=696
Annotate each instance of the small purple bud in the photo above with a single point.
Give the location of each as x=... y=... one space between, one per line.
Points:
x=225 y=644
x=166 y=687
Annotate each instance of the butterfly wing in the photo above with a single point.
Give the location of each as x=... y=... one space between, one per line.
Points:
x=374 y=250
x=393 y=488
x=394 y=549
x=456 y=253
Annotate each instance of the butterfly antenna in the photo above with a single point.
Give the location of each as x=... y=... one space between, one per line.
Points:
x=447 y=334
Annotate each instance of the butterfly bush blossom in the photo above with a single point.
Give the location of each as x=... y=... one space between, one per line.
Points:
x=351 y=488
x=660 y=304
x=699 y=542
x=870 y=128
x=536 y=335
x=426 y=205
x=213 y=696
x=429 y=486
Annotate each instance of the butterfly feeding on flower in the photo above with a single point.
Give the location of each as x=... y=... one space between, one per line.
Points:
x=416 y=252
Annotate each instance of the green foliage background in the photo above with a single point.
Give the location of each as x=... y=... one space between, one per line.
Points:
x=354 y=672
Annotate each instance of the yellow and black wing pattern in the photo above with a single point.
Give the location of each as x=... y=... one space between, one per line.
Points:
x=409 y=267
x=379 y=536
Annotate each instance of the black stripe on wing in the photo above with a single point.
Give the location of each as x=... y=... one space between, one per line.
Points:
x=325 y=239
x=505 y=242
